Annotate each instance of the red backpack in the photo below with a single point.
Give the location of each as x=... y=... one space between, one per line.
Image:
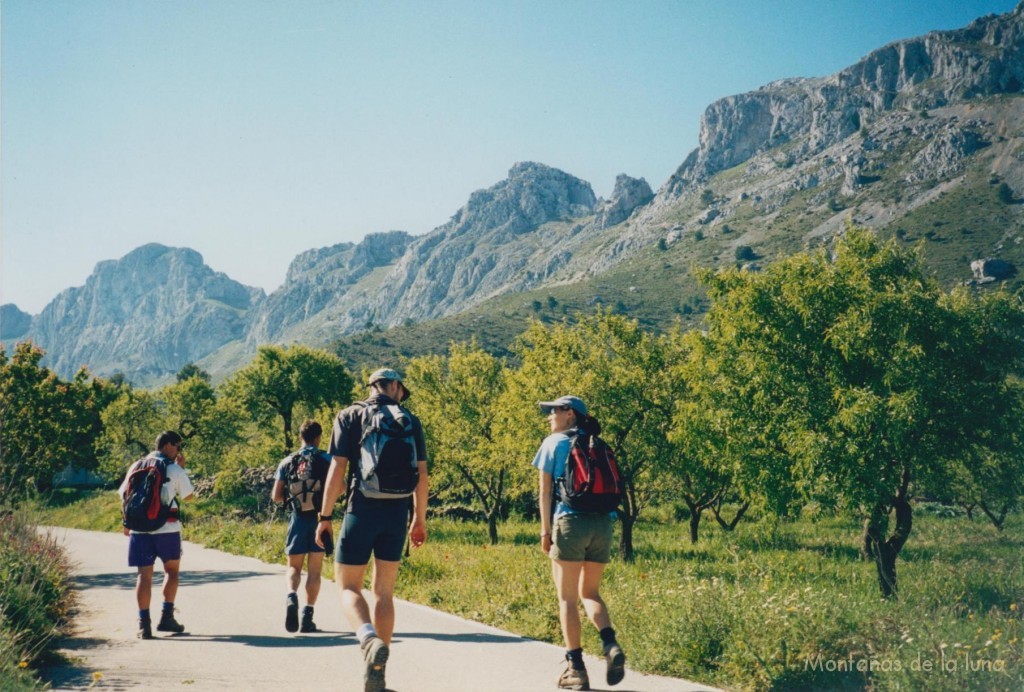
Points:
x=141 y=508
x=591 y=482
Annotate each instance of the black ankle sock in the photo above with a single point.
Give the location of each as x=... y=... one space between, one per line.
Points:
x=308 y=609
x=168 y=608
x=575 y=657
x=607 y=636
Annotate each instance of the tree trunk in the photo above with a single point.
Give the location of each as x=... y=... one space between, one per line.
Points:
x=628 y=517
x=729 y=525
x=287 y=431
x=886 y=551
x=997 y=521
x=970 y=511
x=626 y=539
x=868 y=540
x=695 y=512
x=492 y=524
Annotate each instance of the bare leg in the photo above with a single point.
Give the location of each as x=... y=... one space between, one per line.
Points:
x=171 y=569
x=144 y=587
x=590 y=583
x=295 y=571
x=385 y=574
x=350 y=579
x=567 y=580
x=314 y=564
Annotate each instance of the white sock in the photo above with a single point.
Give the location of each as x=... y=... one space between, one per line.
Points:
x=365 y=632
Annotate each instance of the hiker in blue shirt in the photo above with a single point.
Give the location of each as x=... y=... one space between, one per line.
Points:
x=578 y=543
x=299 y=482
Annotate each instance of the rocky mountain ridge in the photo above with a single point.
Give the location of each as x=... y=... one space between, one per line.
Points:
x=776 y=169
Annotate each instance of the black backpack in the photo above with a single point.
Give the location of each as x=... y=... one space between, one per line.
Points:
x=387 y=467
x=591 y=482
x=141 y=507
x=304 y=490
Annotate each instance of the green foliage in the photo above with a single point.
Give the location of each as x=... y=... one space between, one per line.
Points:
x=1005 y=194
x=47 y=422
x=190 y=370
x=131 y=424
x=282 y=378
x=707 y=197
x=34 y=600
x=459 y=399
x=848 y=379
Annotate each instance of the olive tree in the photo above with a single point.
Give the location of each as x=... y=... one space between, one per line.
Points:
x=281 y=378
x=852 y=378
x=458 y=401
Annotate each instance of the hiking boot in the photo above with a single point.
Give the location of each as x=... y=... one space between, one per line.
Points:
x=574 y=679
x=375 y=655
x=616 y=659
x=291 y=614
x=169 y=624
x=307 y=625
x=145 y=629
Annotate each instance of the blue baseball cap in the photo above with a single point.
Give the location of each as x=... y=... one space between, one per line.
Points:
x=573 y=402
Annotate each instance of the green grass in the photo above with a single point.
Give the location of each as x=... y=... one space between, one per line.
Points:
x=769 y=606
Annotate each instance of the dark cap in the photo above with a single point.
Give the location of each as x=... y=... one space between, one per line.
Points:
x=389 y=375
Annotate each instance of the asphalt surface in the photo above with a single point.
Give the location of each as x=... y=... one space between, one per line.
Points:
x=233 y=611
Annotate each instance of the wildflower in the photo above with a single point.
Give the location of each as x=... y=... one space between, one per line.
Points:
x=23 y=663
x=942 y=645
x=1013 y=606
x=97 y=676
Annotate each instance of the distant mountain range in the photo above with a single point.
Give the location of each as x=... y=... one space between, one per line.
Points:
x=923 y=139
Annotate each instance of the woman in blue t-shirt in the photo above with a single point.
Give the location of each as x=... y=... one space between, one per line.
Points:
x=579 y=545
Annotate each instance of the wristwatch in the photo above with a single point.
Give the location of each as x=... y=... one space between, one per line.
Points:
x=324 y=517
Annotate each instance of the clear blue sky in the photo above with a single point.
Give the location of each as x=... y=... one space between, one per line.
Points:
x=253 y=130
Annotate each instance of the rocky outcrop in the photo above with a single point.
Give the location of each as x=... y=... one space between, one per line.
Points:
x=318 y=283
x=145 y=315
x=486 y=248
x=992 y=269
x=628 y=194
x=944 y=155
x=985 y=58
x=14 y=323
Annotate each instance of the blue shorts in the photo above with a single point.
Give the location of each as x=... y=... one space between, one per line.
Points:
x=145 y=548
x=373 y=526
x=301 y=537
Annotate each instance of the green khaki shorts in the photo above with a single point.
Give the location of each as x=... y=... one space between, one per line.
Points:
x=582 y=537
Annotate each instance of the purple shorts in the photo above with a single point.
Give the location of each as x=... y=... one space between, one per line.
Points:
x=145 y=548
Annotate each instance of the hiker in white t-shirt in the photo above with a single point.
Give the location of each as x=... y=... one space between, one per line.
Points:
x=164 y=542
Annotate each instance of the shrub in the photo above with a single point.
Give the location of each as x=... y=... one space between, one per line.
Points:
x=34 y=599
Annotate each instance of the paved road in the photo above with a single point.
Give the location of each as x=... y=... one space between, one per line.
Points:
x=233 y=611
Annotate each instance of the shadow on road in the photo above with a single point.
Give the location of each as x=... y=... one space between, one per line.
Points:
x=272 y=641
x=126 y=580
x=475 y=637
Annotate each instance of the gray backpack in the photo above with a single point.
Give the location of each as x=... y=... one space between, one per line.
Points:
x=388 y=467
